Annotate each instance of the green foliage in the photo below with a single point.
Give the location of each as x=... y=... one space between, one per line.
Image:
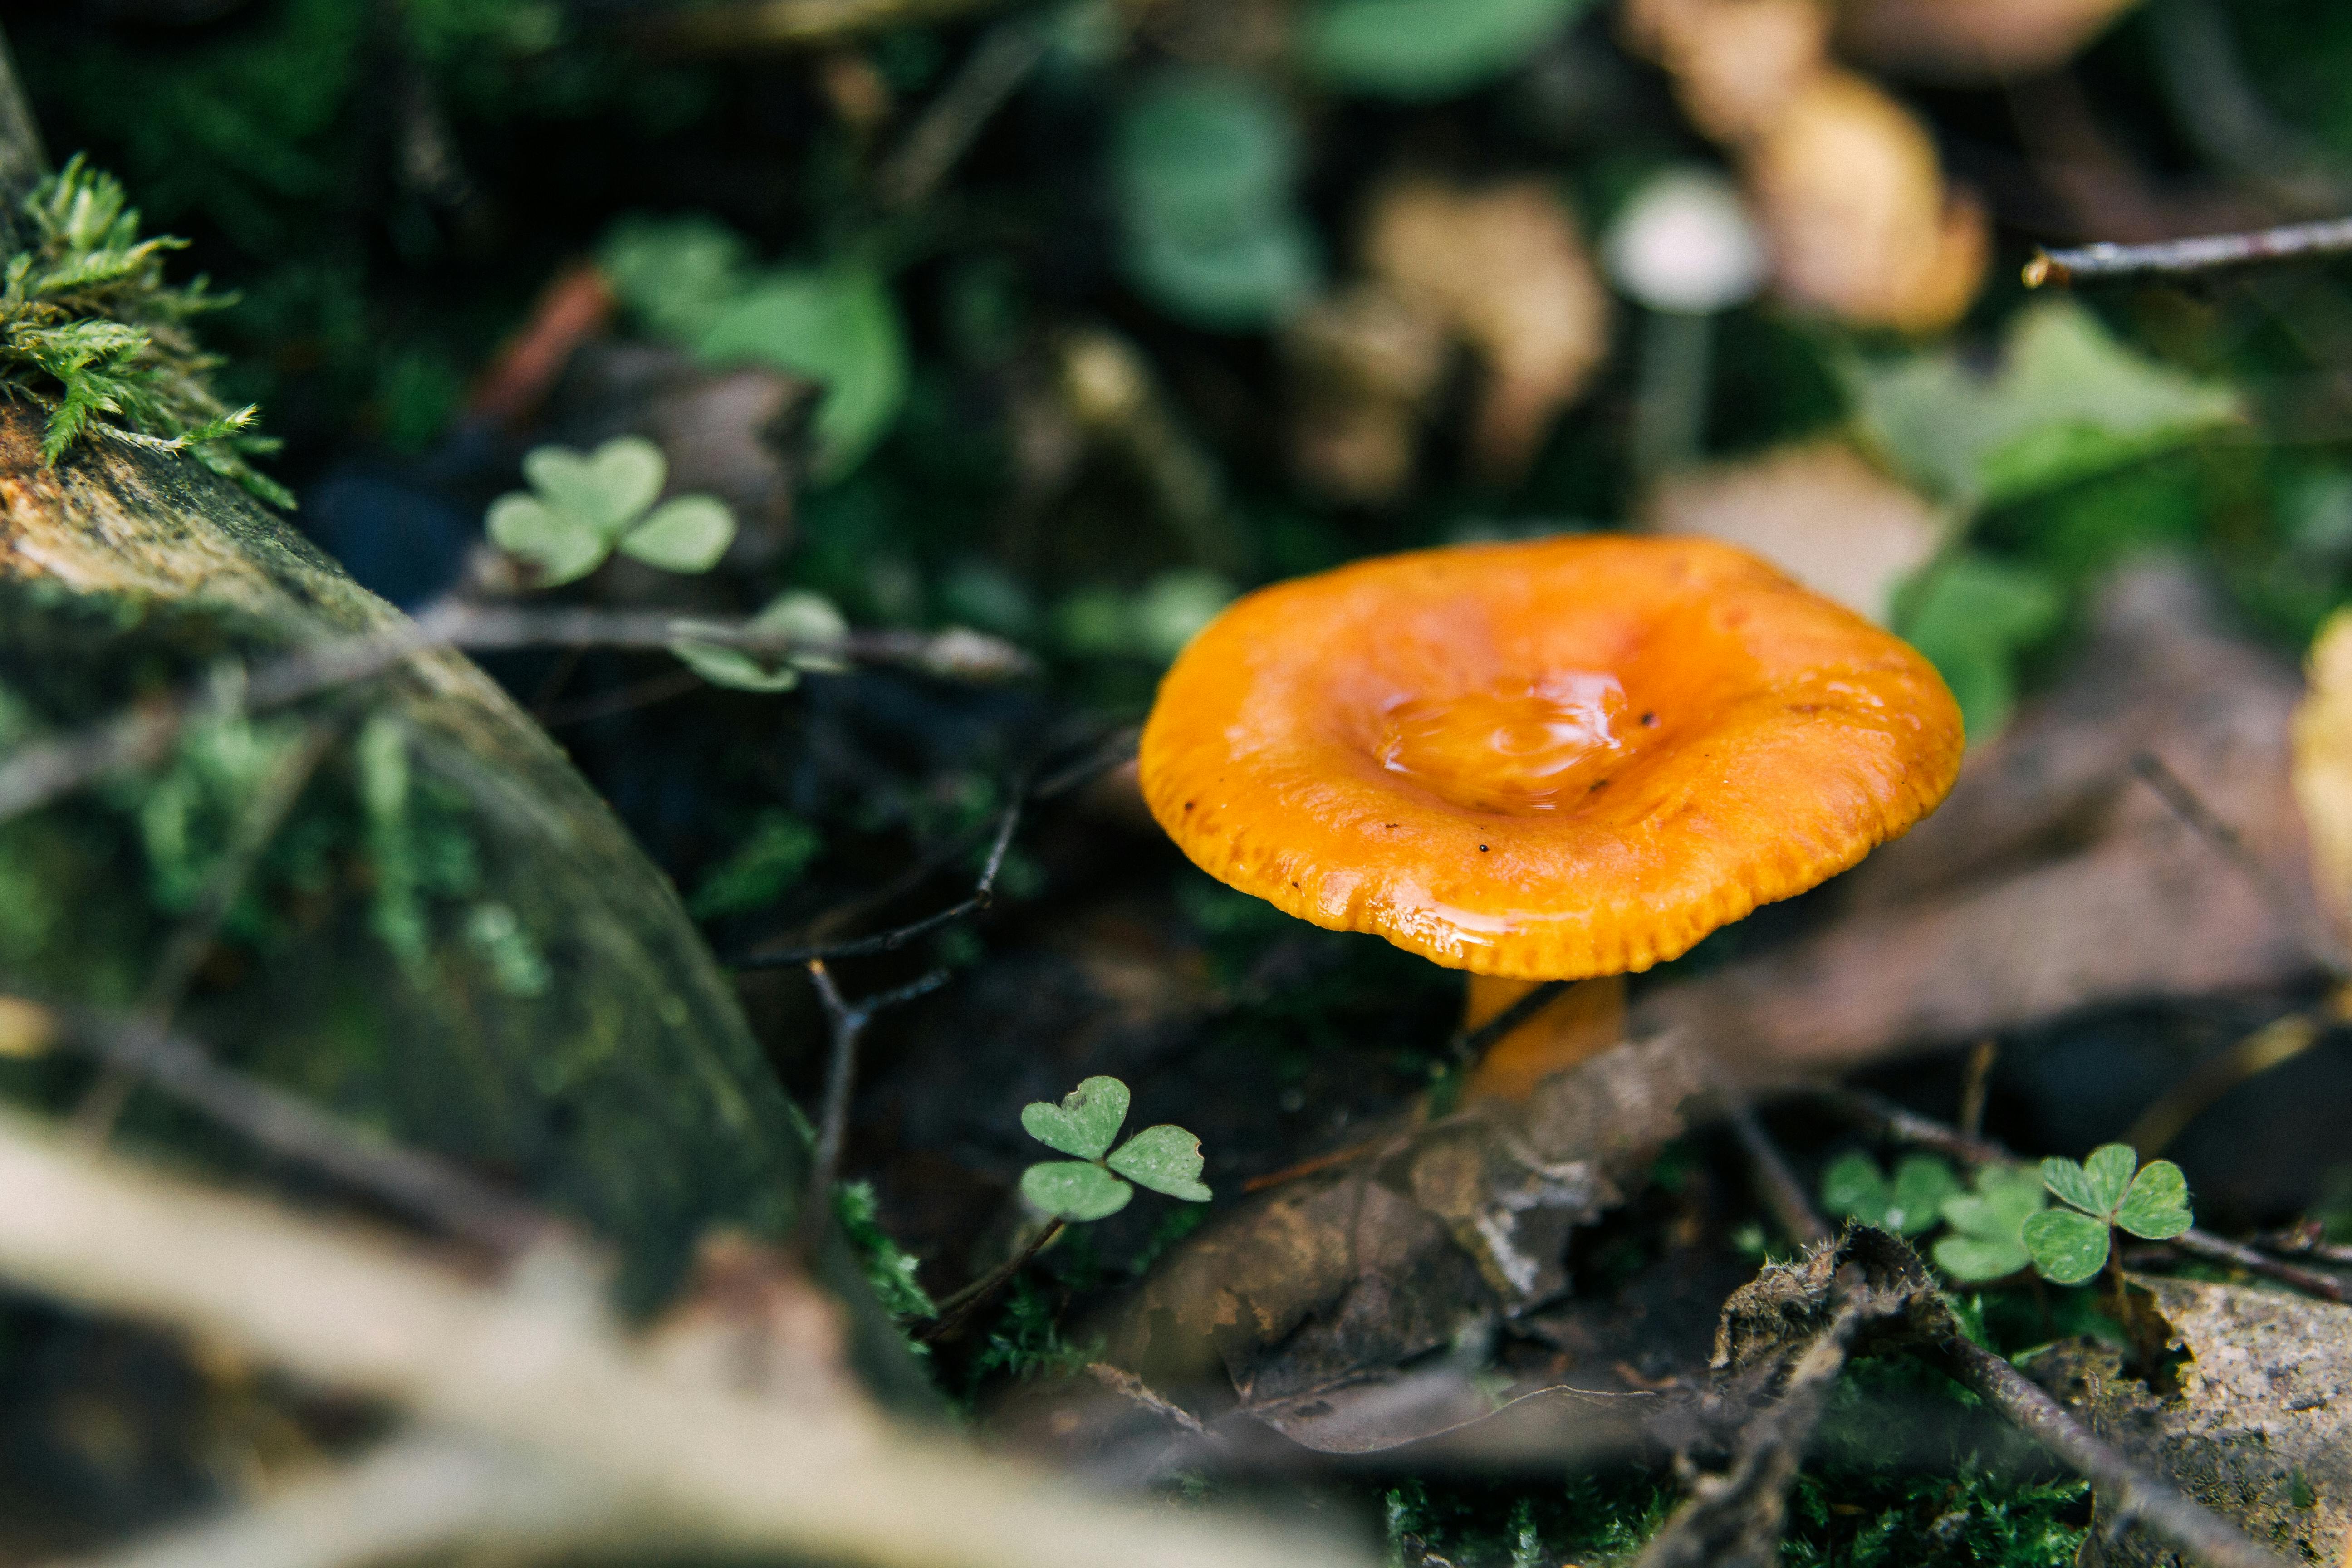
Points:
x=799 y=615
x=1970 y=615
x=91 y=332
x=1987 y=1242
x=1164 y=1158
x=769 y=859
x=1913 y=1202
x=1422 y=50
x=418 y=851
x=889 y=1268
x=1204 y=169
x=584 y=506
x=691 y=281
x=1152 y=624
x=1975 y=1519
x=2071 y=1245
x=1027 y=1341
x=517 y=966
x=2067 y=403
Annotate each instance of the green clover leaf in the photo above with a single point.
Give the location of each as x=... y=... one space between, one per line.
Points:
x=1165 y=1158
x=561 y=545
x=685 y=534
x=1084 y=1123
x=607 y=489
x=1074 y=1189
x=801 y=615
x=2067 y=1247
x=1912 y=1203
x=2156 y=1207
x=1986 y=1241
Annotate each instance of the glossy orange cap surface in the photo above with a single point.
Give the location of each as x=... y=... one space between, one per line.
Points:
x=1551 y=760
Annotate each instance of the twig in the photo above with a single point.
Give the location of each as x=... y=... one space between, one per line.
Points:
x=1469 y=1044
x=840 y=1079
x=413 y=1498
x=799 y=1468
x=1906 y=1126
x=2306 y=1240
x=1136 y=1392
x=2188 y=257
x=2276 y=1042
x=983 y=893
x=994 y=71
x=1775 y=1183
x=2135 y=1494
x=411 y=1182
x=35 y=776
x=964 y=1302
x=1978 y=1086
x=2202 y=820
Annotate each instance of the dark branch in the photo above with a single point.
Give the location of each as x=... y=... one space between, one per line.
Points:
x=2133 y=1494
x=2188 y=257
x=1775 y=1183
x=848 y=1021
x=982 y=894
x=1469 y=1044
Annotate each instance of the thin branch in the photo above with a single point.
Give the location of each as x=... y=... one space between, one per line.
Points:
x=2136 y=1496
x=2218 y=1249
x=2306 y=1240
x=956 y=1308
x=988 y=79
x=2189 y=257
x=409 y=1181
x=1978 y=1086
x=35 y=776
x=1775 y=1183
x=840 y=1079
x=983 y=894
x=800 y=1466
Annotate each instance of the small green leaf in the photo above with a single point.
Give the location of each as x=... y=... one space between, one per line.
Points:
x=1074 y=1189
x=1084 y=1123
x=2066 y=1246
x=562 y=547
x=2097 y=1185
x=1422 y=50
x=1165 y=1158
x=1971 y=616
x=733 y=668
x=1922 y=1183
x=1973 y=1259
x=686 y=533
x=837 y=325
x=608 y=489
x=801 y=615
x=1854 y=1188
x=2156 y=1207
x=778 y=849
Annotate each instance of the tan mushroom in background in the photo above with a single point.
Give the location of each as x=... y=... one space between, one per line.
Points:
x=1557 y=760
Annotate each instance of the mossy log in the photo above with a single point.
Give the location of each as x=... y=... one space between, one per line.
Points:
x=577 y=1040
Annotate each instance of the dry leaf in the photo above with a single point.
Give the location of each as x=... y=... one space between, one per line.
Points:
x=2323 y=768
x=2052 y=879
x=1505 y=267
x=2258 y=1429
x=1363 y=366
x=1850 y=191
x=1818 y=511
x=1971 y=40
x=1737 y=65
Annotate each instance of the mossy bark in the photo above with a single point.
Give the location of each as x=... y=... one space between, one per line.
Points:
x=618 y=1082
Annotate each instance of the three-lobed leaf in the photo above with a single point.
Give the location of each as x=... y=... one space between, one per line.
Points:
x=2068 y=1246
x=1913 y=1202
x=1084 y=1123
x=1165 y=1158
x=607 y=489
x=1073 y=1190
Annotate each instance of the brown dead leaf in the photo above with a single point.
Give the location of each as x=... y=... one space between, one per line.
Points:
x=1961 y=41
x=1364 y=365
x=1862 y=226
x=1818 y=511
x=2323 y=768
x=1505 y=268
x=1737 y=65
x=2051 y=879
x=2258 y=1428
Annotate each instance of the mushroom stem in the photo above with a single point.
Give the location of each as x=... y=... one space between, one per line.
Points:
x=1587 y=1019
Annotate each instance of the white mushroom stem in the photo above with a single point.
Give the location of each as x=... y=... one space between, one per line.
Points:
x=1670 y=393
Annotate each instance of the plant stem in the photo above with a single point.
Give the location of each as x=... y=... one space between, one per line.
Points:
x=961 y=1306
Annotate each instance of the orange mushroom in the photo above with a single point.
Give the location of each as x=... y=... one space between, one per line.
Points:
x=1556 y=760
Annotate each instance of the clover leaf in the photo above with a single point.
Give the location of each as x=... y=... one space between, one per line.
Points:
x=584 y=506
x=2071 y=1245
x=1911 y=1203
x=1165 y=1158
x=799 y=616
x=1986 y=1242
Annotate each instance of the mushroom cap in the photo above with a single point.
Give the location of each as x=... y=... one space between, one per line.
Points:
x=1548 y=759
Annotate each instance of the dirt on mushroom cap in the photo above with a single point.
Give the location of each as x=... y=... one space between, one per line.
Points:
x=1546 y=760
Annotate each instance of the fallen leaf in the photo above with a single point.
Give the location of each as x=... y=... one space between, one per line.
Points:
x=2254 y=1421
x=1737 y=65
x=1506 y=269
x=1850 y=190
x=1968 y=41
x=1818 y=511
